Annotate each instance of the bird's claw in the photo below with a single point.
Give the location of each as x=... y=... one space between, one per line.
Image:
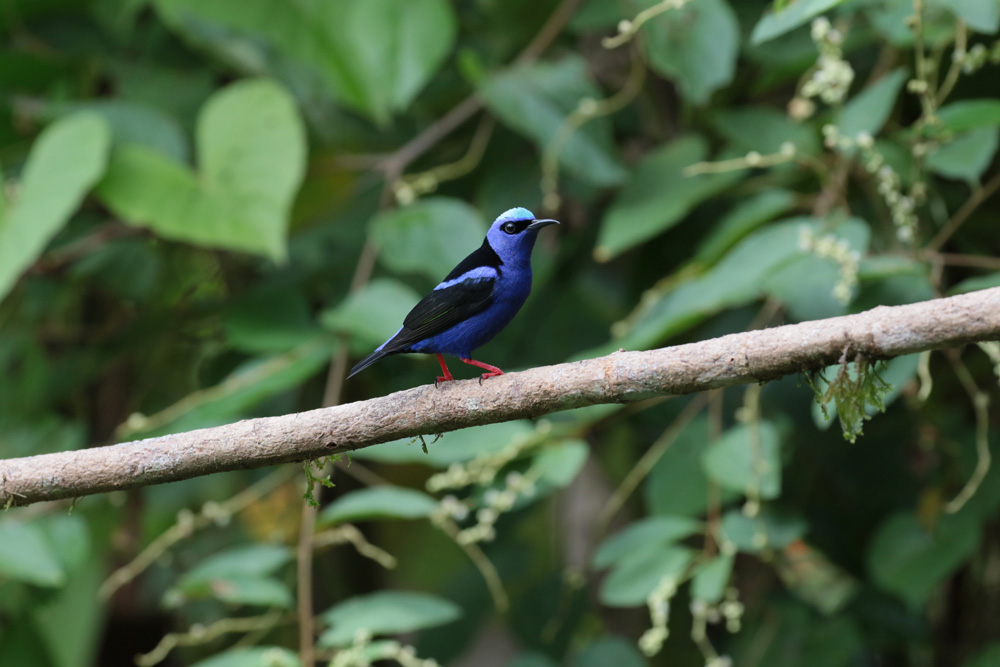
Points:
x=489 y=375
x=441 y=378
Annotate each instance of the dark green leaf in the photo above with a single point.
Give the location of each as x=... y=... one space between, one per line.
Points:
x=710 y=581
x=792 y=15
x=907 y=559
x=746 y=459
x=377 y=502
x=770 y=529
x=429 y=236
x=257 y=656
x=645 y=533
x=373 y=313
x=658 y=196
x=610 y=652
x=868 y=111
x=967 y=156
x=970 y=114
x=634 y=577
x=558 y=464
x=536 y=100
x=696 y=46
x=25 y=555
x=387 y=612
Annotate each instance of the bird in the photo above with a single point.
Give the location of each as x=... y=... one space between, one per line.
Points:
x=474 y=302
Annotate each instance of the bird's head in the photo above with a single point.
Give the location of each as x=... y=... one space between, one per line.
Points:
x=512 y=235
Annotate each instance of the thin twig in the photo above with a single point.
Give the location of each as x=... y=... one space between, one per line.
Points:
x=979 y=195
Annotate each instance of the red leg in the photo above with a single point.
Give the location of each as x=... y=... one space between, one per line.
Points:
x=493 y=370
x=444 y=369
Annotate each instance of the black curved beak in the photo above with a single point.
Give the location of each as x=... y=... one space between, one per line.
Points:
x=538 y=224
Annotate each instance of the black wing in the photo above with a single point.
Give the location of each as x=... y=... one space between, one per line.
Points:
x=435 y=313
x=444 y=308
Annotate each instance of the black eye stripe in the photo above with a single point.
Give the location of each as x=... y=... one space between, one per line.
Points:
x=515 y=226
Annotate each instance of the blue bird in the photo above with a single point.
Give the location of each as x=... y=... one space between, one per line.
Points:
x=474 y=302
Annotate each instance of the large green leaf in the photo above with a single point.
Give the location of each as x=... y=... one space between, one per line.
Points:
x=454 y=447
x=68 y=157
x=387 y=612
x=967 y=156
x=25 y=555
x=658 y=196
x=909 y=560
x=710 y=581
x=981 y=15
x=970 y=114
x=558 y=463
x=378 y=502
x=535 y=100
x=374 y=55
x=770 y=529
x=372 y=314
x=747 y=458
x=237 y=576
x=696 y=46
x=257 y=656
x=610 y=652
x=792 y=15
x=251 y=149
x=868 y=110
x=430 y=236
x=636 y=576
x=649 y=532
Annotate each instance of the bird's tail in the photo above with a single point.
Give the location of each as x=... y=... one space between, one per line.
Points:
x=371 y=359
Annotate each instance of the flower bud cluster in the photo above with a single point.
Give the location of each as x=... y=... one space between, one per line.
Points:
x=362 y=654
x=901 y=206
x=482 y=471
x=832 y=76
x=659 y=613
x=830 y=247
x=976 y=58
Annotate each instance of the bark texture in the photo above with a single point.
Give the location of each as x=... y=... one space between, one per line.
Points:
x=622 y=377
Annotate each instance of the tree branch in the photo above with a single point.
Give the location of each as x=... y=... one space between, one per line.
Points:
x=622 y=377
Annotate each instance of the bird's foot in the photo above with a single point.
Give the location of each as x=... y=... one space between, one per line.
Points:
x=490 y=375
x=444 y=369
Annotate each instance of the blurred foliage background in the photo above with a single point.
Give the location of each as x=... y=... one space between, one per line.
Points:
x=210 y=208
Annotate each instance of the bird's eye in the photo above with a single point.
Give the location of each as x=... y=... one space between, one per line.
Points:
x=509 y=227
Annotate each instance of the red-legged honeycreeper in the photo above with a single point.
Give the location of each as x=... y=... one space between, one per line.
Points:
x=474 y=302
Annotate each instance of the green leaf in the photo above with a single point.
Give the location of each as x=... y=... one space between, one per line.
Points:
x=531 y=660
x=610 y=651
x=636 y=576
x=236 y=590
x=910 y=561
x=378 y=502
x=68 y=157
x=253 y=560
x=739 y=278
x=428 y=236
x=792 y=15
x=374 y=55
x=764 y=129
x=244 y=388
x=257 y=656
x=269 y=320
x=383 y=613
x=771 y=529
x=975 y=284
x=677 y=484
x=455 y=447
x=652 y=531
x=251 y=147
x=134 y=123
x=373 y=313
x=710 y=581
x=658 y=196
x=967 y=156
x=558 y=464
x=535 y=100
x=25 y=555
x=745 y=217
x=970 y=114
x=981 y=15
x=745 y=458
x=868 y=110
x=696 y=46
